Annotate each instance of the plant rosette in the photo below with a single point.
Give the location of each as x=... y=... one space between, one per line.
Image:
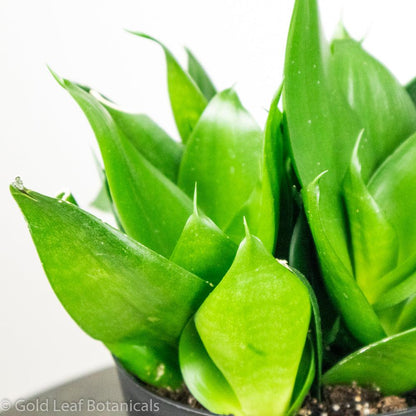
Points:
x=188 y=287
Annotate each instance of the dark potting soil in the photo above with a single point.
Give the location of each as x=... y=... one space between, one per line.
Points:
x=336 y=401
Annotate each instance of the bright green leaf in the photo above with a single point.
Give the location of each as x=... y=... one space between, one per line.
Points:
x=67 y=197
x=304 y=378
x=199 y=75
x=319 y=120
x=151 y=208
x=154 y=365
x=258 y=355
x=359 y=316
x=317 y=333
x=223 y=156
x=114 y=288
x=392 y=187
x=378 y=365
x=382 y=105
x=202 y=377
x=397 y=293
x=373 y=239
x=146 y=136
x=407 y=317
x=262 y=209
x=204 y=249
x=102 y=201
x=187 y=100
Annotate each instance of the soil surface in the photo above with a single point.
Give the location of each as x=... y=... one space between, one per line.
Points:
x=354 y=401
x=336 y=401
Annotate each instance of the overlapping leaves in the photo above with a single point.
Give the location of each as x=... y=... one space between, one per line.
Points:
x=354 y=186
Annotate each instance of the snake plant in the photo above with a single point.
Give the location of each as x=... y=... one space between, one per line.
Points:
x=201 y=282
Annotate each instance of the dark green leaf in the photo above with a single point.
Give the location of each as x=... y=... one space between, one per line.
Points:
x=411 y=90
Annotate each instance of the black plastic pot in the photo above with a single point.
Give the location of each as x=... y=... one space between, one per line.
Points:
x=141 y=401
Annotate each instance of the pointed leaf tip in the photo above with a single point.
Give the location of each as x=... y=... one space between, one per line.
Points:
x=146 y=36
x=59 y=80
x=196 y=199
x=246 y=228
x=18 y=184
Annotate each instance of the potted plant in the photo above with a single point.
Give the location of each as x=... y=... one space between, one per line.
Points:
x=247 y=263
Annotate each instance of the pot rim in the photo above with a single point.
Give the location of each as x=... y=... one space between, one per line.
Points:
x=411 y=411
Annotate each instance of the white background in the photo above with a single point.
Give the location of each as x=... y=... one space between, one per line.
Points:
x=46 y=140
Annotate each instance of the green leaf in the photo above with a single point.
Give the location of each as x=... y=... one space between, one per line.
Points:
x=114 y=288
x=259 y=356
x=67 y=197
x=373 y=239
x=289 y=197
x=187 y=100
x=400 y=291
x=391 y=186
x=102 y=201
x=273 y=152
x=381 y=103
x=302 y=257
x=204 y=249
x=146 y=136
x=262 y=209
x=151 y=364
x=359 y=316
x=411 y=90
x=304 y=378
x=407 y=317
x=152 y=209
x=202 y=377
x=223 y=157
x=317 y=333
x=330 y=95
x=319 y=120
x=201 y=78
x=389 y=364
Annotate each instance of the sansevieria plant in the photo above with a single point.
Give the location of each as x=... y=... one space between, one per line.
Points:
x=201 y=283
